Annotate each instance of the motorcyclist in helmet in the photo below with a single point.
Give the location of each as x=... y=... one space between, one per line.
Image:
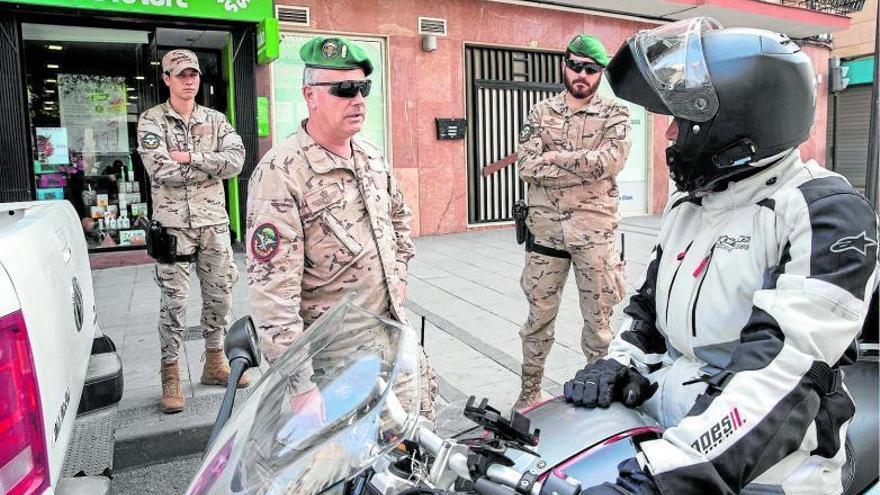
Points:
x=758 y=285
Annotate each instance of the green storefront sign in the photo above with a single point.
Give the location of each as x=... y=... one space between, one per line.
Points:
x=268 y=41
x=230 y=10
x=861 y=71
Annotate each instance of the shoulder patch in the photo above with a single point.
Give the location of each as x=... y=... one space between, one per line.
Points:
x=525 y=133
x=265 y=242
x=150 y=141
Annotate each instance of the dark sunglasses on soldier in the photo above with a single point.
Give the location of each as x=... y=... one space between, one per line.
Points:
x=347 y=89
x=578 y=66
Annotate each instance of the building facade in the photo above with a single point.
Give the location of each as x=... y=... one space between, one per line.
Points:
x=849 y=108
x=481 y=69
x=454 y=81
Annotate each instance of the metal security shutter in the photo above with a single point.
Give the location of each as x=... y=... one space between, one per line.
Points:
x=502 y=85
x=15 y=160
x=851 y=134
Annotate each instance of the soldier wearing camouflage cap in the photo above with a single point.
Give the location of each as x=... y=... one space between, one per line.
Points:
x=187 y=151
x=326 y=217
x=571 y=149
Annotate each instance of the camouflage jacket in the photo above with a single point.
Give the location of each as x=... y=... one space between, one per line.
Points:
x=320 y=226
x=573 y=197
x=189 y=195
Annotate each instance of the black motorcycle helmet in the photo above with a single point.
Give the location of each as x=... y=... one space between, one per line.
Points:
x=739 y=96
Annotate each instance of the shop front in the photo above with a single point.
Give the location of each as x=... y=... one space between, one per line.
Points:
x=76 y=75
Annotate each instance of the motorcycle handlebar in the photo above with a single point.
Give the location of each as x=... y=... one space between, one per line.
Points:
x=499 y=480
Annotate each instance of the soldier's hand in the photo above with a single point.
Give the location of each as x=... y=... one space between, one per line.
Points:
x=310 y=403
x=180 y=156
x=307 y=415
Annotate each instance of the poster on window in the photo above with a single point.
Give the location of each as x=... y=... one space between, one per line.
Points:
x=93 y=110
x=52 y=146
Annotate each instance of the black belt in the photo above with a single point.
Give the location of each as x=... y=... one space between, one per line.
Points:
x=534 y=247
x=185 y=258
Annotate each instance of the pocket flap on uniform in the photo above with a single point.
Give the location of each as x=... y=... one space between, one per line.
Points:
x=319 y=199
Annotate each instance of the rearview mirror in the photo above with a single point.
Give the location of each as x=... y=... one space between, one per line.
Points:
x=242 y=341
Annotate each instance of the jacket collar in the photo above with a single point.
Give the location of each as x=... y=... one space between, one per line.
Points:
x=759 y=186
x=558 y=104
x=199 y=115
x=319 y=159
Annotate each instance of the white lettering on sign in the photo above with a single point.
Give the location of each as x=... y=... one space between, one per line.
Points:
x=156 y=3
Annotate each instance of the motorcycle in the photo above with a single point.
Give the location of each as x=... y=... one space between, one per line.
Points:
x=338 y=415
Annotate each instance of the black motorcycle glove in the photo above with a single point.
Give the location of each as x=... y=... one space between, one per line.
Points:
x=606 y=381
x=632 y=480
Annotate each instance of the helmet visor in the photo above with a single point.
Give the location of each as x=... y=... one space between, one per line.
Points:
x=670 y=59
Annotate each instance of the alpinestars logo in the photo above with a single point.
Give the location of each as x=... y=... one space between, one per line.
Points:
x=858 y=243
x=713 y=437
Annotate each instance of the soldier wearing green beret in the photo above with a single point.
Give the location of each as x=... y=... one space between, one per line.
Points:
x=571 y=149
x=326 y=217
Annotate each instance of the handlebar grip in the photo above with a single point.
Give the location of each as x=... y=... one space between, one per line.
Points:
x=485 y=486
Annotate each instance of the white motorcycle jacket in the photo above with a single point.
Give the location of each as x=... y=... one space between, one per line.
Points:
x=765 y=286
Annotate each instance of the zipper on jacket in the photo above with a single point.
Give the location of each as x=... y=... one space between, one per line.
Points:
x=701 y=270
x=679 y=257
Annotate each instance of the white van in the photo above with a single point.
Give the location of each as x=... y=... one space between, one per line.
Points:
x=55 y=364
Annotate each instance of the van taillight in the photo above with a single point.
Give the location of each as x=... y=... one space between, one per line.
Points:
x=24 y=466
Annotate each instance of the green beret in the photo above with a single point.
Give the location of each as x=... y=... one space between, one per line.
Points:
x=584 y=45
x=335 y=53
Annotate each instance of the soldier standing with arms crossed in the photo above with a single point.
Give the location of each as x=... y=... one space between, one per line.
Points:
x=325 y=217
x=571 y=149
x=187 y=151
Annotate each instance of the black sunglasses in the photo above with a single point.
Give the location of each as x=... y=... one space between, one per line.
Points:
x=578 y=66
x=347 y=89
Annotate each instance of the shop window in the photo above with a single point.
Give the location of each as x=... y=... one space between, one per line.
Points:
x=85 y=91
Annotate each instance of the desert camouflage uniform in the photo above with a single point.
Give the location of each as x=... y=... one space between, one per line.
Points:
x=572 y=207
x=320 y=226
x=190 y=201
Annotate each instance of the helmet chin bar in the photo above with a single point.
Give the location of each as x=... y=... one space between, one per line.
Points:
x=705 y=174
x=696 y=171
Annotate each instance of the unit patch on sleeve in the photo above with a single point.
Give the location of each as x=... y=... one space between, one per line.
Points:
x=265 y=242
x=525 y=133
x=150 y=141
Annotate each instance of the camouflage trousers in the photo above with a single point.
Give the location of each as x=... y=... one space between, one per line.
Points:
x=217 y=274
x=599 y=275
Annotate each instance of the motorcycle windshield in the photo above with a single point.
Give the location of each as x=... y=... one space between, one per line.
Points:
x=342 y=395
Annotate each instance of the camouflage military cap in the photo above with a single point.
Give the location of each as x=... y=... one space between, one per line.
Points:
x=177 y=61
x=584 y=45
x=335 y=53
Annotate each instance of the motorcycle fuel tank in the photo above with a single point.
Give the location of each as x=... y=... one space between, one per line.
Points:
x=569 y=434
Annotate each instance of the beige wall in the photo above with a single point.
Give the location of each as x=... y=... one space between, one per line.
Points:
x=859 y=38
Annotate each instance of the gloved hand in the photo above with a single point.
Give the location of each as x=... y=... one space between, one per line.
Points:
x=607 y=381
x=632 y=480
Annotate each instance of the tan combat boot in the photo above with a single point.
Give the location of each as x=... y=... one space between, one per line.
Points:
x=173 y=400
x=531 y=387
x=216 y=370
